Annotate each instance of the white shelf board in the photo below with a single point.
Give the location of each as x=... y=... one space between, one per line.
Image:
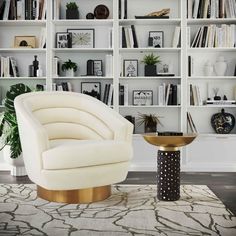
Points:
x=152 y=106
x=71 y=50
x=140 y=50
x=20 y=50
x=211 y=21
x=216 y=135
x=211 y=77
x=82 y=77
x=22 y=78
x=150 y=21
x=201 y=50
x=82 y=22
x=150 y=77
x=22 y=22
x=212 y=106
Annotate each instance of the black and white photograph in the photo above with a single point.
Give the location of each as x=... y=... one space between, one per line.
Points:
x=91 y=88
x=62 y=40
x=82 y=38
x=142 y=97
x=130 y=68
x=157 y=39
x=97 y=67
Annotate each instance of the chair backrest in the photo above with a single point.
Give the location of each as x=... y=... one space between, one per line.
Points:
x=67 y=115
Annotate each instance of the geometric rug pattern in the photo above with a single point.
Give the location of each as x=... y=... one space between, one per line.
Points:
x=131 y=210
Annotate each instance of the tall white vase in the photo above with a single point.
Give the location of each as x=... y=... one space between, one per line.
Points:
x=220 y=66
x=17 y=165
x=70 y=73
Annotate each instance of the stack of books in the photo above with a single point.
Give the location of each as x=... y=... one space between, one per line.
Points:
x=8 y=67
x=128 y=38
x=191 y=125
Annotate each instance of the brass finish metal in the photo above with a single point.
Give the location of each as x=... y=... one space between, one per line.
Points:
x=169 y=143
x=86 y=195
x=171 y=149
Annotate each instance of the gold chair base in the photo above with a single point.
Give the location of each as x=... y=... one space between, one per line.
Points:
x=86 y=195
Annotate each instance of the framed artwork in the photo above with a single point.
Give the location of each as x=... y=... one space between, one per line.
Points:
x=82 y=38
x=130 y=68
x=91 y=88
x=156 y=39
x=63 y=40
x=142 y=97
x=97 y=67
x=25 y=41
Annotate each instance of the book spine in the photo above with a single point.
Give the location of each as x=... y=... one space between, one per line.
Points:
x=125 y=9
x=134 y=36
x=126 y=95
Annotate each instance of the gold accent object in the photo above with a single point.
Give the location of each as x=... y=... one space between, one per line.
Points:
x=162 y=12
x=86 y=195
x=169 y=143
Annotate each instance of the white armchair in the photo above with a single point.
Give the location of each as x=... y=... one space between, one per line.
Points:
x=74 y=146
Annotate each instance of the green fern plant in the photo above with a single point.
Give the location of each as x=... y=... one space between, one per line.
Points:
x=71 y=5
x=67 y=65
x=151 y=59
x=9 y=133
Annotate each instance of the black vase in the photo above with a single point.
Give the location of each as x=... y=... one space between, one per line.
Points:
x=150 y=127
x=222 y=122
x=150 y=70
x=72 y=14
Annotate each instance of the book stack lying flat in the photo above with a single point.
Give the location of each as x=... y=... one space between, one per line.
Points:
x=220 y=102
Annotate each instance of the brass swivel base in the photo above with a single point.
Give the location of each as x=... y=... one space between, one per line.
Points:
x=86 y=195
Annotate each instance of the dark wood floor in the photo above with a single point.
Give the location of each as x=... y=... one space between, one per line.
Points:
x=222 y=184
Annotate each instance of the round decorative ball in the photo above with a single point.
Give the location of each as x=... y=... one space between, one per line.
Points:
x=222 y=122
x=90 y=16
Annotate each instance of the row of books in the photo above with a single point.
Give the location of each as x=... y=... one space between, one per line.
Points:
x=8 y=67
x=211 y=9
x=128 y=38
x=190 y=124
x=63 y=86
x=22 y=9
x=195 y=96
x=169 y=94
x=108 y=94
x=215 y=36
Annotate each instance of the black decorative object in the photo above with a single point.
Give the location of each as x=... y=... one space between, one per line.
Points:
x=90 y=16
x=36 y=65
x=90 y=66
x=168 y=175
x=150 y=70
x=222 y=122
x=72 y=11
x=216 y=97
x=101 y=12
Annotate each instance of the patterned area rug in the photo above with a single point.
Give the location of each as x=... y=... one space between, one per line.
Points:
x=131 y=210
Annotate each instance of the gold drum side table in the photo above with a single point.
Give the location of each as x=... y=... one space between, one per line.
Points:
x=168 y=163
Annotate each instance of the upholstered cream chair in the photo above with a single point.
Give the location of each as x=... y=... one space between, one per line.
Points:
x=74 y=146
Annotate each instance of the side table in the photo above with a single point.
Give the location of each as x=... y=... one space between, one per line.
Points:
x=168 y=163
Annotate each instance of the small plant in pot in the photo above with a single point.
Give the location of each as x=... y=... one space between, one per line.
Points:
x=72 y=11
x=69 y=67
x=9 y=134
x=150 y=122
x=150 y=62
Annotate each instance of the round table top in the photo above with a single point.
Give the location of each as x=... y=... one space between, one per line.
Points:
x=169 y=141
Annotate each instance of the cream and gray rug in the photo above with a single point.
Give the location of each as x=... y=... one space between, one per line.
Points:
x=131 y=210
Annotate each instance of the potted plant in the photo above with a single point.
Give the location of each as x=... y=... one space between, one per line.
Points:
x=70 y=67
x=72 y=11
x=9 y=134
x=150 y=62
x=150 y=122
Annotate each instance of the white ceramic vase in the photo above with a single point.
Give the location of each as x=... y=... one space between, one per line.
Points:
x=17 y=165
x=70 y=73
x=208 y=69
x=220 y=66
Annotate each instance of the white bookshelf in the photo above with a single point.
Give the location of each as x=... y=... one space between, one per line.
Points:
x=173 y=116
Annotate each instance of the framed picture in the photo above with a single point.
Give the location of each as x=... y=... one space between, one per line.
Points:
x=156 y=39
x=91 y=88
x=82 y=38
x=142 y=97
x=25 y=41
x=63 y=40
x=130 y=68
x=97 y=67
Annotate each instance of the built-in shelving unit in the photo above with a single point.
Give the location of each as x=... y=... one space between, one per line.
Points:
x=108 y=41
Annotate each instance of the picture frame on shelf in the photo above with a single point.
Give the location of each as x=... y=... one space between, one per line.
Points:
x=82 y=38
x=156 y=39
x=97 y=67
x=142 y=97
x=130 y=68
x=25 y=41
x=63 y=40
x=91 y=88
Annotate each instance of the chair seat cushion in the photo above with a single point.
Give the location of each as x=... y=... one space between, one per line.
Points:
x=72 y=153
